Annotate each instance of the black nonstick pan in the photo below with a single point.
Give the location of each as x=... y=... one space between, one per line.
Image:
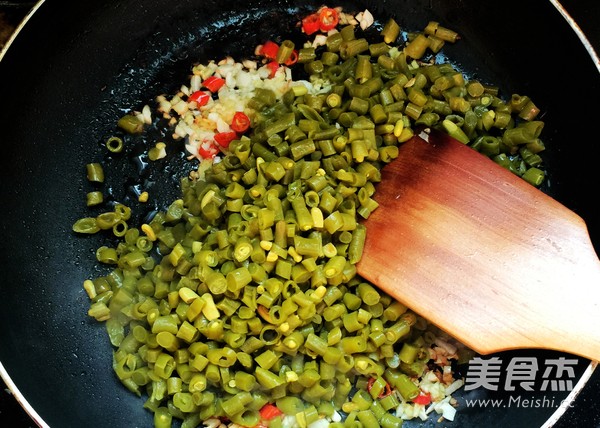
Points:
x=74 y=69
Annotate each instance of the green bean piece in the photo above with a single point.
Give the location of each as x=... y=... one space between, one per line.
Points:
x=238 y=279
x=326 y=134
x=268 y=379
x=334 y=41
x=394 y=311
x=488 y=145
x=395 y=332
x=265 y=96
x=290 y=405
x=223 y=357
x=530 y=158
x=534 y=176
x=368 y=419
x=416 y=48
x=184 y=402
x=354 y=47
x=502 y=119
x=267 y=359
x=131 y=124
x=459 y=104
x=359 y=90
x=86 y=225
x=524 y=133
x=95 y=172
x=107 y=255
x=390 y=31
x=413 y=110
x=435 y=43
x=357 y=244
x=302 y=148
x=354 y=321
x=309 y=377
x=244 y=381
x=285 y=51
x=237 y=403
x=279 y=125
x=454 y=131
x=303 y=217
x=247 y=418
x=364 y=68
x=408 y=353
x=316 y=344
x=348 y=32
x=165 y=323
x=378 y=114
x=434 y=29
x=314 y=67
x=353 y=344
x=187 y=332
x=107 y=220
x=114 y=144
x=329 y=58
x=308 y=416
x=368 y=293
x=306 y=55
x=162 y=418
x=164 y=365
x=347 y=119
x=94 y=198
x=389 y=420
x=529 y=111
x=120 y=228
x=406 y=387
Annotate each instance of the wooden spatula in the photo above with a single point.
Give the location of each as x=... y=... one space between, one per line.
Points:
x=482 y=254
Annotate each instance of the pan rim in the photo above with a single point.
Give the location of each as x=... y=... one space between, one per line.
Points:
x=15 y=33
x=553 y=419
x=578 y=31
x=583 y=380
x=16 y=393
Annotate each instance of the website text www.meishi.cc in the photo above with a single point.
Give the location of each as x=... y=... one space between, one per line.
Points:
x=517 y=401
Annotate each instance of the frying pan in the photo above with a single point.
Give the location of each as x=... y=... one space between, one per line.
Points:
x=75 y=68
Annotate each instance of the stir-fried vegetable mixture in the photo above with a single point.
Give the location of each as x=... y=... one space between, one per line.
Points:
x=240 y=302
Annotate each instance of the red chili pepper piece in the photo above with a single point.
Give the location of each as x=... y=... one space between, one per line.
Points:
x=273 y=67
x=240 y=122
x=328 y=19
x=370 y=383
x=269 y=49
x=224 y=138
x=269 y=411
x=208 y=150
x=311 y=24
x=293 y=58
x=213 y=83
x=423 y=399
x=200 y=97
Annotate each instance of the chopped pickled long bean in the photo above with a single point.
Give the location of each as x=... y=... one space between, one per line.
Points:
x=244 y=291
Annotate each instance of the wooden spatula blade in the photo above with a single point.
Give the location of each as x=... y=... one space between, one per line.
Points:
x=482 y=254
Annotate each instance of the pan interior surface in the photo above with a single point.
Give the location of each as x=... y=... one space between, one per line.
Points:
x=76 y=68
